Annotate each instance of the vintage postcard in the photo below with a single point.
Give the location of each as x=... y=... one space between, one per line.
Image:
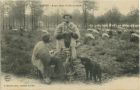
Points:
x=69 y=45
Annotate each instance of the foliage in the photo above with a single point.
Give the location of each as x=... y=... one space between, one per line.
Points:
x=17 y=51
x=133 y=17
x=116 y=55
x=113 y=16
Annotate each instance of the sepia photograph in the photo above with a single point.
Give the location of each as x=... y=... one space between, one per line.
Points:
x=69 y=45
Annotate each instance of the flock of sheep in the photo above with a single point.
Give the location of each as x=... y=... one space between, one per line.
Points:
x=92 y=33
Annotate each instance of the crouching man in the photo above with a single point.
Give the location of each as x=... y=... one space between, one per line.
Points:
x=41 y=58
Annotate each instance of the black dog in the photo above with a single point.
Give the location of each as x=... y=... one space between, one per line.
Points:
x=91 y=68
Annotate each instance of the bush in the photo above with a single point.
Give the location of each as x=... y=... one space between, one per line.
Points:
x=17 y=50
x=116 y=55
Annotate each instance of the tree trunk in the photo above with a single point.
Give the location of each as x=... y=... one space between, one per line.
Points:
x=85 y=18
x=111 y=25
x=129 y=26
x=3 y=21
x=121 y=24
x=13 y=25
x=9 y=22
x=24 y=23
x=101 y=26
x=108 y=25
x=46 y=22
x=32 y=23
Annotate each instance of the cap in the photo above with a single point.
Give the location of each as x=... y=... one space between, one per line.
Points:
x=67 y=15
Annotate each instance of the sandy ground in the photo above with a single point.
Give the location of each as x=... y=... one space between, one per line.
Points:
x=22 y=83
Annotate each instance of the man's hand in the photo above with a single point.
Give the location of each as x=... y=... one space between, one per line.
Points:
x=59 y=36
x=74 y=35
x=67 y=33
x=70 y=33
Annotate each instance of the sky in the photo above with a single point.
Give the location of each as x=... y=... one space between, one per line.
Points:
x=124 y=6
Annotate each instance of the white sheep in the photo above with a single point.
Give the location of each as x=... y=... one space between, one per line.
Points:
x=89 y=35
x=44 y=31
x=93 y=30
x=105 y=35
x=134 y=37
x=15 y=29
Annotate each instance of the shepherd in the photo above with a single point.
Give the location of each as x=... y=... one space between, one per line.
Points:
x=67 y=34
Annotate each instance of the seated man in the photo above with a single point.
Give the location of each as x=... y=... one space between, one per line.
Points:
x=41 y=58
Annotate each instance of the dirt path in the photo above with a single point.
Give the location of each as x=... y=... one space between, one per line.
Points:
x=22 y=83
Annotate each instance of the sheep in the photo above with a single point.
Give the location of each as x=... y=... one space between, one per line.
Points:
x=89 y=35
x=15 y=29
x=105 y=35
x=89 y=38
x=95 y=31
x=134 y=37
